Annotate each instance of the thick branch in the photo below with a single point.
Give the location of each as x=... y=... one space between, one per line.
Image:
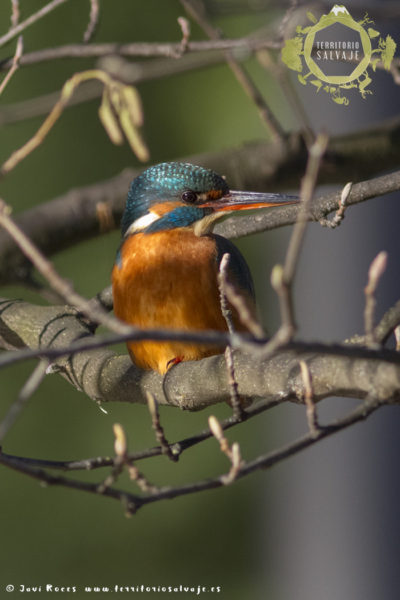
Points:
x=107 y=377
x=85 y=212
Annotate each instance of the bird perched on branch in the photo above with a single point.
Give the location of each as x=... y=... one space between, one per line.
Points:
x=165 y=274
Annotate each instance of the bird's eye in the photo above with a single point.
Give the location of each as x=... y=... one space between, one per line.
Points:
x=189 y=196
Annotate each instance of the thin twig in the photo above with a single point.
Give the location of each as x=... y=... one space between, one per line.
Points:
x=282 y=276
x=88 y=464
x=308 y=184
x=61 y=286
x=120 y=113
x=280 y=73
x=166 y=448
x=185 y=27
x=93 y=21
x=339 y=214
x=141 y=49
x=15 y=63
x=235 y=400
x=27 y=390
x=375 y=272
x=243 y=309
x=311 y=409
x=388 y=323
x=15 y=13
x=121 y=460
x=133 y=503
x=226 y=313
x=87 y=343
x=293 y=4
x=12 y=33
x=233 y=452
x=73 y=217
x=397 y=337
x=240 y=73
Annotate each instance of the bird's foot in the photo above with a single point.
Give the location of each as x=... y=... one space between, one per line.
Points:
x=174 y=361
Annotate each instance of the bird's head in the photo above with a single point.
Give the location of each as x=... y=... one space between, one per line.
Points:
x=172 y=195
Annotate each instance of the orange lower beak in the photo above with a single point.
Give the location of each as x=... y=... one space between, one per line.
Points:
x=237 y=200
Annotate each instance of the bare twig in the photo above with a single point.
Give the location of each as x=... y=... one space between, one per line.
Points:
x=132 y=502
x=311 y=410
x=233 y=452
x=218 y=433
x=171 y=451
x=282 y=277
x=57 y=283
x=98 y=462
x=397 y=337
x=185 y=27
x=15 y=63
x=241 y=75
x=286 y=18
x=141 y=49
x=28 y=389
x=239 y=302
x=342 y=370
x=388 y=323
x=266 y=58
x=93 y=21
x=120 y=113
x=233 y=384
x=15 y=13
x=12 y=33
x=308 y=184
x=120 y=449
x=122 y=460
x=222 y=284
x=376 y=270
x=339 y=214
x=73 y=217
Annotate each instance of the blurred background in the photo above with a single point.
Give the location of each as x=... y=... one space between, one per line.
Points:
x=321 y=525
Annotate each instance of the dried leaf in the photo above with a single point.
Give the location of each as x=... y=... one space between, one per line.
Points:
x=133 y=136
x=109 y=120
x=133 y=102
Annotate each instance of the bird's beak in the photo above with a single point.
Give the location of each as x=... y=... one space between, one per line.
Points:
x=237 y=200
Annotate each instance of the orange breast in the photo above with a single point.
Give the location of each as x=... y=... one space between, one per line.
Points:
x=168 y=279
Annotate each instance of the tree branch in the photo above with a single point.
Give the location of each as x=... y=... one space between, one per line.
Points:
x=105 y=376
x=132 y=502
x=86 y=212
x=143 y=49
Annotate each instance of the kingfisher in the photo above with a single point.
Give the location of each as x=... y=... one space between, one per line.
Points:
x=165 y=274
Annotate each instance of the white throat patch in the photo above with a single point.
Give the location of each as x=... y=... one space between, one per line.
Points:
x=142 y=223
